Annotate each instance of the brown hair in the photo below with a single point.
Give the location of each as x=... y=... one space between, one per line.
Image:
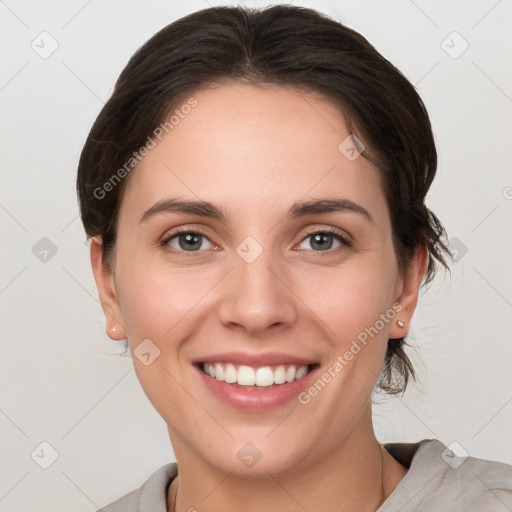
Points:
x=284 y=46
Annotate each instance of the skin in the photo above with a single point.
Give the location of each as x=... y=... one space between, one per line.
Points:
x=254 y=151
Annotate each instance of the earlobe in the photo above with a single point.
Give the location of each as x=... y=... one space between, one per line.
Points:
x=115 y=331
x=104 y=277
x=408 y=298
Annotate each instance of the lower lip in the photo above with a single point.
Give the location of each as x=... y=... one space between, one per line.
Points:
x=254 y=400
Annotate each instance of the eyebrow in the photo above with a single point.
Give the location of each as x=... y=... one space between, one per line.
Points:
x=298 y=209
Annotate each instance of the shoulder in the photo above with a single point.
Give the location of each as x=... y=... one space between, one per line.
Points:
x=150 y=496
x=127 y=503
x=485 y=484
x=439 y=477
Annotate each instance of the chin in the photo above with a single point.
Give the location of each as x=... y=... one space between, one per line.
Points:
x=246 y=458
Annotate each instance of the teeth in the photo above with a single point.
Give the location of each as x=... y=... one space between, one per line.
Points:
x=301 y=372
x=290 y=374
x=247 y=376
x=230 y=374
x=280 y=375
x=219 y=372
x=264 y=376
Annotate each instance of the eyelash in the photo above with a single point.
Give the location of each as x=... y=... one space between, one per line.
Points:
x=345 y=241
x=328 y=231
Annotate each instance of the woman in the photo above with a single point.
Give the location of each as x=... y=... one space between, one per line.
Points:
x=254 y=192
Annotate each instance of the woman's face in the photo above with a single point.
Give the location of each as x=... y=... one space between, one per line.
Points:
x=255 y=288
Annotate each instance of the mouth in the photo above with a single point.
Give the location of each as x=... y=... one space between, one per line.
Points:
x=256 y=378
x=254 y=384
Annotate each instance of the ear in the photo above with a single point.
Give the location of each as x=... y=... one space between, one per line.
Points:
x=104 y=277
x=408 y=296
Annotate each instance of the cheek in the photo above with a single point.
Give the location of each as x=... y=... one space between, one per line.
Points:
x=353 y=299
x=157 y=307
x=155 y=300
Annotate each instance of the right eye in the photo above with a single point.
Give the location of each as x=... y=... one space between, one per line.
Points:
x=185 y=240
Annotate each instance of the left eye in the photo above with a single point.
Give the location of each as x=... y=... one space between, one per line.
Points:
x=322 y=241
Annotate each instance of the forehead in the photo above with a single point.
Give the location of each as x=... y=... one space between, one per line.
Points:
x=250 y=146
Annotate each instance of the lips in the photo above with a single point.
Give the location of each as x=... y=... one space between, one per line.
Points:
x=255 y=360
x=255 y=382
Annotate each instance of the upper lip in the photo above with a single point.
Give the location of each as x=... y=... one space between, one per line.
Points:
x=248 y=359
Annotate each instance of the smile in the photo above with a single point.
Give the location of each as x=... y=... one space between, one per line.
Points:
x=263 y=377
x=255 y=382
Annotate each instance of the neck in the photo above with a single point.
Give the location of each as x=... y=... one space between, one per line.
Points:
x=358 y=474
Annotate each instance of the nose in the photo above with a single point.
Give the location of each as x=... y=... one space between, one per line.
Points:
x=258 y=297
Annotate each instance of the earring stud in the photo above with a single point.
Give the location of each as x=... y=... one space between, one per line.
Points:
x=400 y=324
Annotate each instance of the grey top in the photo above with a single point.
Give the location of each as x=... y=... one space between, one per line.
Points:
x=437 y=480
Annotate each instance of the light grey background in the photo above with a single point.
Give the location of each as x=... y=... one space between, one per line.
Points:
x=61 y=381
